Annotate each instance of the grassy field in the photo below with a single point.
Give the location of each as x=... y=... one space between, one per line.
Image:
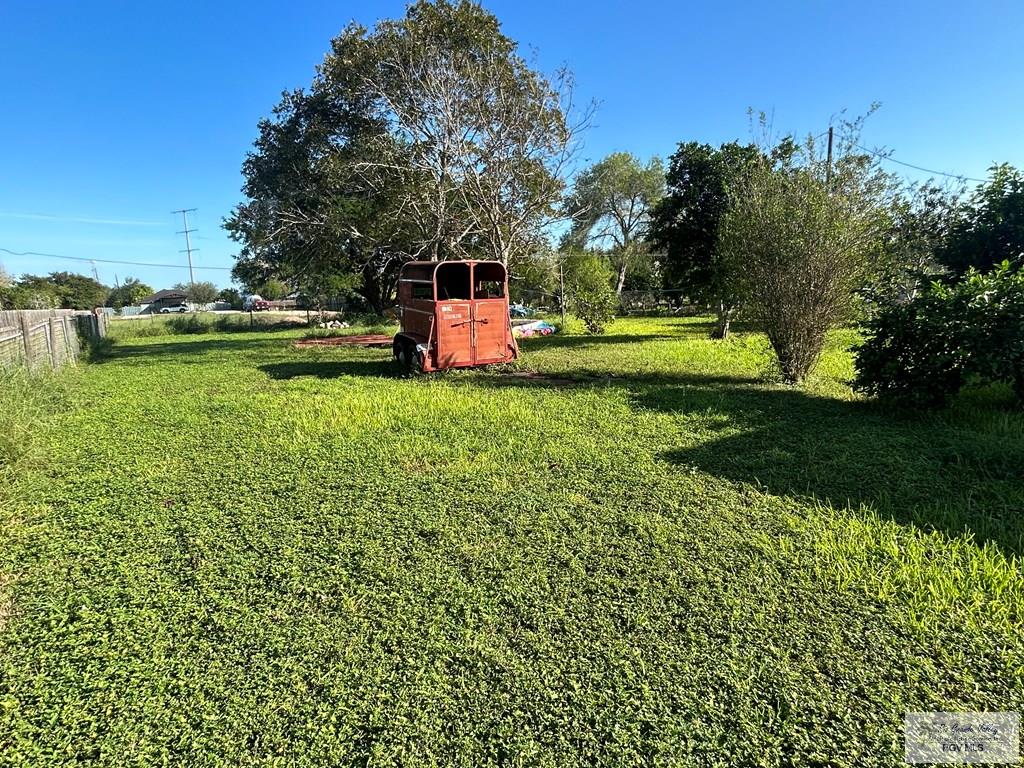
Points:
x=243 y=553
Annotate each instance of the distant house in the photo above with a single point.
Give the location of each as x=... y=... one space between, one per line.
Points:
x=160 y=299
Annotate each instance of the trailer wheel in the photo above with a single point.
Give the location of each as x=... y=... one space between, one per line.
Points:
x=400 y=349
x=406 y=356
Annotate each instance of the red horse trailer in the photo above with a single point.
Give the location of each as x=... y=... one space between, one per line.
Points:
x=453 y=314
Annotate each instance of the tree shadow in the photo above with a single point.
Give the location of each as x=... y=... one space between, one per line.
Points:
x=568 y=341
x=332 y=369
x=198 y=346
x=499 y=379
x=931 y=470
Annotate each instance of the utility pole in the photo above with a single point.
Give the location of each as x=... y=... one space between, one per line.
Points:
x=828 y=167
x=95 y=274
x=188 y=242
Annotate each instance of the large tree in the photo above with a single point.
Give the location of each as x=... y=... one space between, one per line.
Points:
x=486 y=140
x=203 y=292
x=610 y=206
x=685 y=224
x=308 y=215
x=427 y=137
x=989 y=229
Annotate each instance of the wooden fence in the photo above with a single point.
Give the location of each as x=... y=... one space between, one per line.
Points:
x=46 y=338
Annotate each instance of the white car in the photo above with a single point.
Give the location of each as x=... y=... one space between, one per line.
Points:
x=175 y=308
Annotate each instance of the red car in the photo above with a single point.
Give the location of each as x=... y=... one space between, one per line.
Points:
x=260 y=305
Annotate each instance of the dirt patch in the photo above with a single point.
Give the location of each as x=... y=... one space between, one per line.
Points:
x=359 y=340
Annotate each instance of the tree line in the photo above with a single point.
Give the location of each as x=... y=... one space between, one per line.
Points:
x=432 y=137
x=67 y=290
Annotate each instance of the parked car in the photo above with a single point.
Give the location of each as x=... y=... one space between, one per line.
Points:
x=179 y=308
x=260 y=305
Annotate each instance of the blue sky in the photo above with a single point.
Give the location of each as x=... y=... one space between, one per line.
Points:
x=115 y=114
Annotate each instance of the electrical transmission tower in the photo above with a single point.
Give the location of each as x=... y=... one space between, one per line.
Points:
x=188 y=242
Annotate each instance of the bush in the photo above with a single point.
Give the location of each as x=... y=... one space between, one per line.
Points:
x=924 y=351
x=590 y=294
x=797 y=244
x=595 y=306
x=189 y=324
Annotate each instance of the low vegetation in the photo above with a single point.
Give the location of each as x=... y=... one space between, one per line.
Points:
x=26 y=403
x=926 y=349
x=200 y=323
x=625 y=549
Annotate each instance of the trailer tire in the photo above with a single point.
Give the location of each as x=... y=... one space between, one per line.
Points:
x=406 y=356
x=400 y=349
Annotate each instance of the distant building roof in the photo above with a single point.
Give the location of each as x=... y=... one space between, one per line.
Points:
x=165 y=295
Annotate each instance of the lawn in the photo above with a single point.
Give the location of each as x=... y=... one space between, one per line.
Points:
x=236 y=552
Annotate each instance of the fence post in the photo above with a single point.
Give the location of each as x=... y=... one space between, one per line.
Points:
x=57 y=354
x=70 y=335
x=26 y=338
x=48 y=333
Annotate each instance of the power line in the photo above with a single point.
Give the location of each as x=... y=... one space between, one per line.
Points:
x=106 y=261
x=884 y=156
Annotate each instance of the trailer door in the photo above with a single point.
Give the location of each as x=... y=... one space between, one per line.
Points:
x=490 y=327
x=454 y=334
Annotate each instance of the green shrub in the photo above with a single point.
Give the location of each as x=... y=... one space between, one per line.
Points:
x=925 y=350
x=588 y=284
x=189 y=324
x=595 y=306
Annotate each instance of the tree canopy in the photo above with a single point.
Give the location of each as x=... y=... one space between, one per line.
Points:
x=202 y=292
x=610 y=207
x=58 y=290
x=685 y=223
x=130 y=292
x=427 y=137
x=989 y=228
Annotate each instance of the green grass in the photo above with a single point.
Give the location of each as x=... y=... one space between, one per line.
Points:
x=243 y=553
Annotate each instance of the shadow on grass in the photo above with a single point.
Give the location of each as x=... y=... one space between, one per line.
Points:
x=567 y=341
x=385 y=368
x=186 y=346
x=919 y=469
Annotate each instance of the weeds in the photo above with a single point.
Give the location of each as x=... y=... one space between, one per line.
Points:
x=26 y=403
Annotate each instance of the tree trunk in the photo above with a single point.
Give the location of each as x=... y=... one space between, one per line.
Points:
x=622 y=278
x=723 y=311
x=372 y=292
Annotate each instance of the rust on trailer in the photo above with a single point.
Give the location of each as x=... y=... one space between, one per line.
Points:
x=358 y=340
x=453 y=314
